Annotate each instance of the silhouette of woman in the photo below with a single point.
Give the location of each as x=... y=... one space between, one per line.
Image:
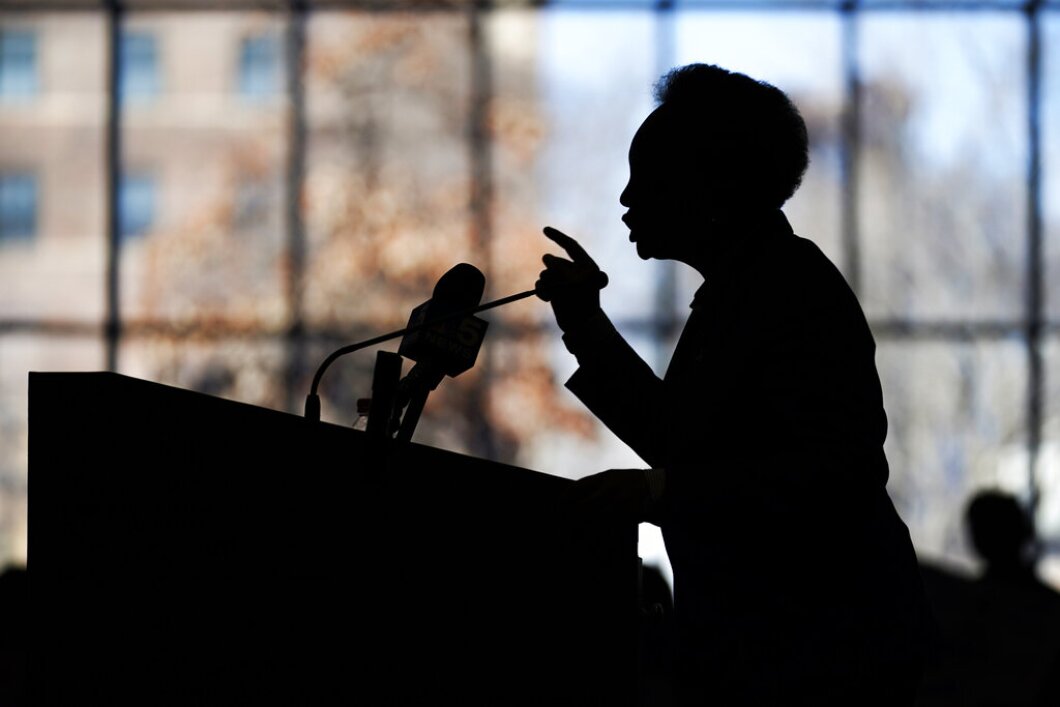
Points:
x=794 y=579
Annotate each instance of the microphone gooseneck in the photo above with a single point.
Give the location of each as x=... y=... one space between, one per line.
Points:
x=312 y=401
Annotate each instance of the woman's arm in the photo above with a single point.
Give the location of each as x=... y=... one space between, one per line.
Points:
x=615 y=383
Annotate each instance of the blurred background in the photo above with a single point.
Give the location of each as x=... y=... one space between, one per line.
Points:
x=215 y=194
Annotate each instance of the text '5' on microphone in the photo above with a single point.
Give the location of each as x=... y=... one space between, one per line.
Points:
x=456 y=298
x=443 y=339
x=449 y=343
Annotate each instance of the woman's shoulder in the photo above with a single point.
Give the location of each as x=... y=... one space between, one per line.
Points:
x=795 y=267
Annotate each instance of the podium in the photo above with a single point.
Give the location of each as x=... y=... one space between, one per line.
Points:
x=186 y=549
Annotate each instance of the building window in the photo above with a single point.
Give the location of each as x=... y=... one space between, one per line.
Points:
x=136 y=205
x=259 y=66
x=18 y=206
x=18 y=64
x=138 y=66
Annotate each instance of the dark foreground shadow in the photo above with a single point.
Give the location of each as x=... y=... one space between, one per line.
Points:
x=998 y=639
x=14 y=635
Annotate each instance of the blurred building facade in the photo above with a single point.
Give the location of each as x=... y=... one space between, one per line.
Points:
x=216 y=195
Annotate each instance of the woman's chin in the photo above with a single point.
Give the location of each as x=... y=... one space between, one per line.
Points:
x=644 y=251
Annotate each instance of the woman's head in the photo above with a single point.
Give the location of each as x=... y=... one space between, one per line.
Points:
x=744 y=138
x=718 y=146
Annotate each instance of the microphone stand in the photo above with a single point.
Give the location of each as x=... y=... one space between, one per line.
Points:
x=312 y=401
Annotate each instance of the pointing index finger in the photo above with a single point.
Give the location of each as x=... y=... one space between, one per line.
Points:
x=573 y=248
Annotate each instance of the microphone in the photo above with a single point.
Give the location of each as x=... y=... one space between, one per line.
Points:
x=449 y=345
x=446 y=347
x=312 y=401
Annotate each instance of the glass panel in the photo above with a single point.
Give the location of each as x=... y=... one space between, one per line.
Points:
x=387 y=193
x=136 y=204
x=1048 y=468
x=800 y=54
x=943 y=164
x=52 y=188
x=189 y=154
x=247 y=370
x=1050 y=135
x=1049 y=568
x=20 y=354
x=539 y=423
x=520 y=131
x=957 y=424
x=571 y=88
x=929 y=3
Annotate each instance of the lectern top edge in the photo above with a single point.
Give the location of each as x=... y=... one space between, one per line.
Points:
x=116 y=387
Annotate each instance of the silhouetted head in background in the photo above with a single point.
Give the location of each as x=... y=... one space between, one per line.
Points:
x=720 y=149
x=1002 y=533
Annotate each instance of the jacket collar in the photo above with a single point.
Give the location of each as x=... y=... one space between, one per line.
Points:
x=740 y=241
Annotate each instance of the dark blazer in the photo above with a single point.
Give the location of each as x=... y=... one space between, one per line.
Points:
x=791 y=568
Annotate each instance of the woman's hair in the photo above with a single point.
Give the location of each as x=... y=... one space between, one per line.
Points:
x=746 y=136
